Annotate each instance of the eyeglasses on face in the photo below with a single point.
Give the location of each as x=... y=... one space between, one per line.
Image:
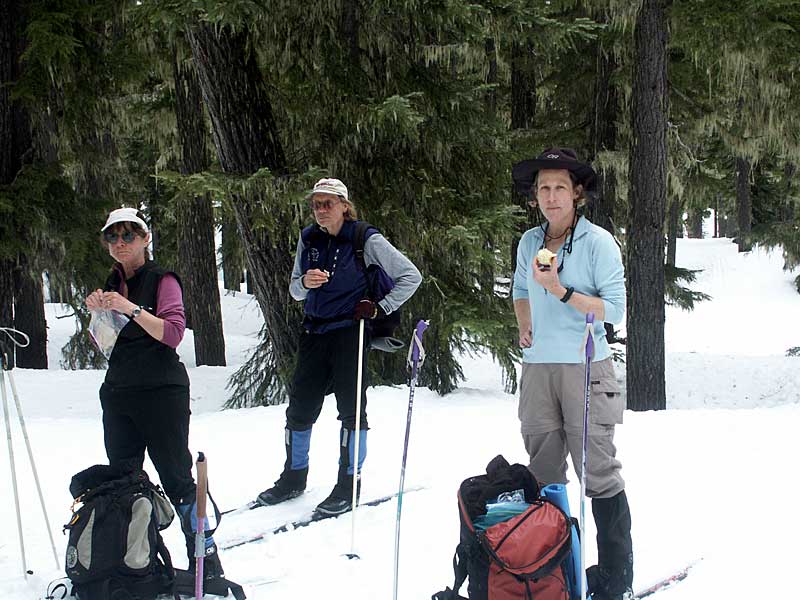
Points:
x=112 y=237
x=320 y=204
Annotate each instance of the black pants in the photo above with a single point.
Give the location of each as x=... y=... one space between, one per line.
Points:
x=156 y=419
x=327 y=361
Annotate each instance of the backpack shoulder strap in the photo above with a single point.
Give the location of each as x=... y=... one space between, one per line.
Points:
x=359 y=238
x=460 y=570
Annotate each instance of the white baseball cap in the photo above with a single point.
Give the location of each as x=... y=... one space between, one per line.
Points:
x=123 y=215
x=328 y=185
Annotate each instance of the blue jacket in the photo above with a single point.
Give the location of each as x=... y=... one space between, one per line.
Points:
x=593 y=268
x=331 y=306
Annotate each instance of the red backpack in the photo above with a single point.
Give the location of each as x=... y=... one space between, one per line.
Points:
x=522 y=558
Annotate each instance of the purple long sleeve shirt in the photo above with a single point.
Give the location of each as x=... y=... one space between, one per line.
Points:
x=170 y=309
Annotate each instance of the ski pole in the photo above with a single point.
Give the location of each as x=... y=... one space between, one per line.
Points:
x=357 y=448
x=589 y=349
x=5 y=367
x=416 y=356
x=200 y=534
x=33 y=466
x=13 y=469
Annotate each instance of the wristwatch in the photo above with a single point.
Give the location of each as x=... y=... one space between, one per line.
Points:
x=565 y=298
x=136 y=312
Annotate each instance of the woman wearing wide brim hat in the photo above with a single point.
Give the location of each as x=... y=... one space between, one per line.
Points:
x=553 y=292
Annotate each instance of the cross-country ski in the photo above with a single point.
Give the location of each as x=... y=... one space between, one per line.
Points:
x=666 y=582
x=313 y=517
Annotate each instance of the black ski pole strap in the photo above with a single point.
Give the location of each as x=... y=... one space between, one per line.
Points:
x=217 y=513
x=52 y=589
x=188 y=527
x=236 y=590
x=217 y=586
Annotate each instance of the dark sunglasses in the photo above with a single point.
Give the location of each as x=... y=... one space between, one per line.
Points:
x=112 y=237
x=320 y=204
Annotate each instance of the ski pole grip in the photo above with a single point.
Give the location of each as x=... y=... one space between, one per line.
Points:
x=202 y=485
x=589 y=336
x=422 y=325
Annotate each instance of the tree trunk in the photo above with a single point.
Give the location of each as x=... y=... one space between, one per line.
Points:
x=197 y=260
x=232 y=267
x=14 y=128
x=246 y=139
x=673 y=226
x=349 y=28
x=29 y=315
x=695 y=228
x=603 y=138
x=7 y=355
x=647 y=197
x=523 y=86
x=744 y=206
x=9 y=157
x=25 y=301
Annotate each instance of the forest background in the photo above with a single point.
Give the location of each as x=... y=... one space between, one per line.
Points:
x=215 y=118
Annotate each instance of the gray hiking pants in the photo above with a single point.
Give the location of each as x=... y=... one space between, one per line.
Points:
x=551 y=412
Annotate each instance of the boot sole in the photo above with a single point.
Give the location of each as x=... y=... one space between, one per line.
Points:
x=330 y=513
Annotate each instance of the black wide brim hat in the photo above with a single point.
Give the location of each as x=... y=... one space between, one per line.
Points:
x=524 y=172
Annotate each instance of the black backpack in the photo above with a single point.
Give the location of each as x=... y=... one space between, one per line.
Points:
x=379 y=284
x=522 y=558
x=115 y=550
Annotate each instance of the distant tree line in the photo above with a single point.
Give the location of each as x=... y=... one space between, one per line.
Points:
x=215 y=118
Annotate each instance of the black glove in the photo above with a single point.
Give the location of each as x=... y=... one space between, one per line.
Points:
x=365 y=309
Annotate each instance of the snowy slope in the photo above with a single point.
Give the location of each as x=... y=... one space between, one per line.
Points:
x=712 y=477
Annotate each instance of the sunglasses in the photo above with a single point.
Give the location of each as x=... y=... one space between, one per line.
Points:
x=112 y=237
x=320 y=204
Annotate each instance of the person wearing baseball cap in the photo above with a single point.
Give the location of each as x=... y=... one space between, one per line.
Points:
x=145 y=394
x=332 y=282
x=566 y=268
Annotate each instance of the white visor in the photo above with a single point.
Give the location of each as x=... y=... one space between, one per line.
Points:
x=124 y=215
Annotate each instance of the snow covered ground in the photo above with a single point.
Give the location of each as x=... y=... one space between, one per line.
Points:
x=714 y=477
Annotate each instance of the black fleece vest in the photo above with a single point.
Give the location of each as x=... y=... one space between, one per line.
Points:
x=138 y=359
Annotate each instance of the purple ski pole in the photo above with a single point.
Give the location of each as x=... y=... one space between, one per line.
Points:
x=416 y=356
x=589 y=347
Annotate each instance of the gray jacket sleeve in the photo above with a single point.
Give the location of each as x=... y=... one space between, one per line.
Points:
x=378 y=250
x=296 y=287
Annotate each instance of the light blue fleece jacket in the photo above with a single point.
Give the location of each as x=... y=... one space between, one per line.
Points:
x=594 y=268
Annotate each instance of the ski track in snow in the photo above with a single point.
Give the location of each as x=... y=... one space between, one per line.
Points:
x=712 y=477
